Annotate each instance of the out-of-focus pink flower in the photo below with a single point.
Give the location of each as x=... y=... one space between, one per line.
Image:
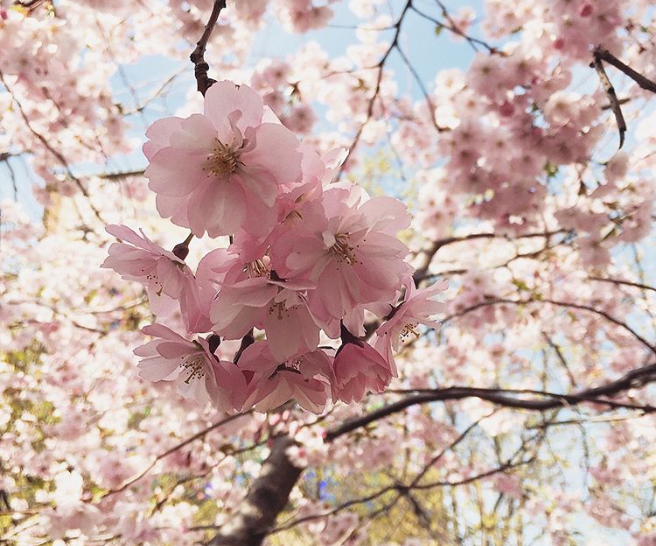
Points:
x=359 y=368
x=220 y=171
x=140 y=259
x=416 y=308
x=196 y=371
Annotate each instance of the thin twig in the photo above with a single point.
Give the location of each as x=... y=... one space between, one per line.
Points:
x=198 y=55
x=173 y=449
x=612 y=97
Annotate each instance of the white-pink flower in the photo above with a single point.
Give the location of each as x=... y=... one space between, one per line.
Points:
x=305 y=379
x=348 y=246
x=196 y=371
x=278 y=307
x=140 y=259
x=417 y=308
x=222 y=170
x=359 y=369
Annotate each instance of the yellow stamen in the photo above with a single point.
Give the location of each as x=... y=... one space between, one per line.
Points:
x=196 y=365
x=256 y=268
x=342 y=250
x=223 y=161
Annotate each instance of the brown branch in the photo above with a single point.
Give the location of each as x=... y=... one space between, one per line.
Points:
x=612 y=98
x=347 y=504
x=452 y=27
x=633 y=379
x=197 y=57
x=421 y=272
x=119 y=175
x=171 y=450
x=600 y=54
x=429 y=102
x=564 y=304
x=605 y=55
x=625 y=283
x=52 y=150
x=379 y=78
x=503 y=468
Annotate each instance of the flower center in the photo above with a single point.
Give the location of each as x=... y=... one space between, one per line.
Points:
x=294 y=364
x=342 y=250
x=278 y=308
x=408 y=330
x=195 y=365
x=223 y=161
x=256 y=268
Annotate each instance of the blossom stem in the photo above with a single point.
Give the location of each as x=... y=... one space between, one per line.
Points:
x=181 y=250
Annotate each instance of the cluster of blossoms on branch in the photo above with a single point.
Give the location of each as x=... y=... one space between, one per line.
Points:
x=308 y=255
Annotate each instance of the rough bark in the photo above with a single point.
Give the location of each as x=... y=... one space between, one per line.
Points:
x=267 y=497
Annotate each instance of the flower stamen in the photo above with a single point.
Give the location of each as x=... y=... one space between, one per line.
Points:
x=256 y=268
x=409 y=329
x=223 y=161
x=196 y=365
x=342 y=250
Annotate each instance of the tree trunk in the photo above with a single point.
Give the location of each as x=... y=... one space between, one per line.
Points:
x=267 y=497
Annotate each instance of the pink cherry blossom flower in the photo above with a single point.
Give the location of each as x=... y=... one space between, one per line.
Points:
x=280 y=308
x=417 y=308
x=241 y=306
x=196 y=371
x=348 y=247
x=222 y=170
x=359 y=368
x=140 y=259
x=305 y=379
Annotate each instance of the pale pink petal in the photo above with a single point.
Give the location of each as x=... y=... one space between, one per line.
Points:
x=196 y=135
x=159 y=134
x=225 y=97
x=276 y=152
x=173 y=172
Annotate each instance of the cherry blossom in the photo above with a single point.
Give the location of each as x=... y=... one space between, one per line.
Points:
x=195 y=370
x=416 y=308
x=305 y=378
x=305 y=344
x=359 y=369
x=139 y=259
x=221 y=170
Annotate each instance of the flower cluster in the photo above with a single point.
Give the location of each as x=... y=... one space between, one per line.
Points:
x=309 y=257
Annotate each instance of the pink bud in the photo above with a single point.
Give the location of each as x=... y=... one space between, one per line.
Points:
x=586 y=9
x=506 y=108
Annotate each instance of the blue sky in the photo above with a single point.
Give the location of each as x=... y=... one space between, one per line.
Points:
x=428 y=52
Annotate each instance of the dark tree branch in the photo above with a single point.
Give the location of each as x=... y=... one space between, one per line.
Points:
x=120 y=175
x=600 y=54
x=452 y=27
x=563 y=304
x=605 y=55
x=612 y=98
x=633 y=379
x=58 y=155
x=625 y=283
x=173 y=449
x=197 y=57
x=379 y=79
x=422 y=271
